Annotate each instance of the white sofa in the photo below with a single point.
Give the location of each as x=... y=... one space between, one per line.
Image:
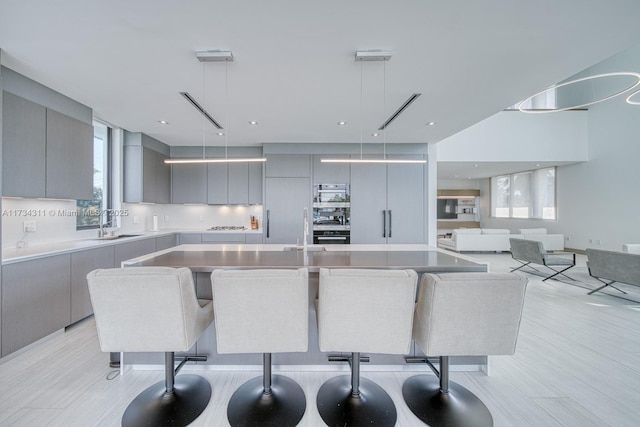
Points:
x=551 y=242
x=497 y=239
x=478 y=239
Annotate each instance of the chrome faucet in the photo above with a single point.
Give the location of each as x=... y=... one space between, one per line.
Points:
x=305 y=227
x=101 y=231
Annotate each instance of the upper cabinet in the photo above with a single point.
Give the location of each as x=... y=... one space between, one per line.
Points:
x=217 y=183
x=69 y=157
x=330 y=173
x=24 y=141
x=45 y=153
x=147 y=178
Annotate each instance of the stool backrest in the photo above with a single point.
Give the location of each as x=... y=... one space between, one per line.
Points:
x=261 y=311
x=469 y=313
x=151 y=309
x=366 y=310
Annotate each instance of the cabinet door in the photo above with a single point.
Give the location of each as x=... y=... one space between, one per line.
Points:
x=286 y=200
x=368 y=203
x=255 y=183
x=288 y=165
x=189 y=183
x=405 y=203
x=23 y=147
x=69 y=151
x=166 y=242
x=125 y=251
x=35 y=300
x=81 y=264
x=238 y=184
x=223 y=238
x=330 y=173
x=217 y=183
x=148 y=175
x=163 y=179
x=189 y=238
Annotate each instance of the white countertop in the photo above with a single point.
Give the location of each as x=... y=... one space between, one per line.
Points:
x=47 y=249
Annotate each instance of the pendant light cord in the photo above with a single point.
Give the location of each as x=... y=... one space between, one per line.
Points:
x=226 y=106
x=384 y=108
x=361 y=108
x=204 y=102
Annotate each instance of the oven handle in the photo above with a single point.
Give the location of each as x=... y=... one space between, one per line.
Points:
x=331 y=238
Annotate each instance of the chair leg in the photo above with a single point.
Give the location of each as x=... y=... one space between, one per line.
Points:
x=604 y=286
x=176 y=401
x=355 y=401
x=558 y=272
x=524 y=264
x=270 y=400
x=440 y=402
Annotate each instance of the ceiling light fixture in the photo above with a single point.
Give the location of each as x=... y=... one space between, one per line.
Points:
x=253 y=122
x=632 y=101
x=163 y=122
x=585 y=104
x=342 y=123
x=377 y=55
x=214 y=56
x=431 y=123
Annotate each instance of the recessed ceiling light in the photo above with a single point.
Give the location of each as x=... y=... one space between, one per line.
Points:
x=163 y=122
x=253 y=122
x=468 y=177
x=455 y=176
x=475 y=166
x=431 y=123
x=537 y=164
x=342 y=123
x=375 y=134
x=220 y=134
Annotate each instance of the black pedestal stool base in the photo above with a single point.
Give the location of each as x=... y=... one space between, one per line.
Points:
x=251 y=406
x=156 y=407
x=457 y=408
x=338 y=407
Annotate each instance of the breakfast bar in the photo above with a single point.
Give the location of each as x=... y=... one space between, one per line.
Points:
x=204 y=258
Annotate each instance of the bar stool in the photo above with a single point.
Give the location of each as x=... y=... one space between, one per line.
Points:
x=263 y=311
x=362 y=311
x=461 y=314
x=154 y=309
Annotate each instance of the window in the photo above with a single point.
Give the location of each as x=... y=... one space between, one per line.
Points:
x=530 y=194
x=90 y=212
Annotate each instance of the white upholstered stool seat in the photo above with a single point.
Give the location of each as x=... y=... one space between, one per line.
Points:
x=263 y=311
x=362 y=311
x=154 y=309
x=461 y=314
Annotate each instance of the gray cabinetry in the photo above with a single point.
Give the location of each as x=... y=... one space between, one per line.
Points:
x=146 y=177
x=189 y=238
x=189 y=183
x=254 y=238
x=128 y=250
x=69 y=154
x=45 y=153
x=217 y=183
x=286 y=199
x=24 y=147
x=223 y=238
x=238 y=184
x=387 y=203
x=330 y=173
x=255 y=183
x=166 y=242
x=35 y=300
x=81 y=264
x=288 y=165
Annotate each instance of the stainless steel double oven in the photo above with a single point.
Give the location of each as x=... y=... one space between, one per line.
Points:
x=331 y=214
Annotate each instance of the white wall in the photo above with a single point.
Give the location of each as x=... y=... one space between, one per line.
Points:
x=599 y=200
x=512 y=136
x=55 y=221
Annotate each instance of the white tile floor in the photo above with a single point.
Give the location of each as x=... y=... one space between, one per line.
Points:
x=577 y=364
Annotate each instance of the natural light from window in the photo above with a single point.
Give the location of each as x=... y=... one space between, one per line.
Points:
x=529 y=194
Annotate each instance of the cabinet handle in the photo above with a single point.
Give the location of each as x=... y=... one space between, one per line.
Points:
x=384 y=223
x=268 y=217
x=390 y=222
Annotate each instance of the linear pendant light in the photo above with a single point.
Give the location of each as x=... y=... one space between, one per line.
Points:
x=214 y=56
x=377 y=55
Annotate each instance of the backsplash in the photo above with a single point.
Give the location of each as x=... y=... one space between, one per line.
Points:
x=55 y=221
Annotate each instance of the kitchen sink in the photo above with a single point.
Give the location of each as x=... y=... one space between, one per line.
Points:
x=301 y=248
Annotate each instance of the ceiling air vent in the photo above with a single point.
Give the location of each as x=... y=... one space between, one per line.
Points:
x=199 y=107
x=400 y=110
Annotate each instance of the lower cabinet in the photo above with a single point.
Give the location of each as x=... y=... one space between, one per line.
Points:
x=81 y=264
x=128 y=250
x=35 y=300
x=166 y=242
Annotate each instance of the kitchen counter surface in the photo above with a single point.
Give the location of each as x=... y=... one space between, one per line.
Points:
x=206 y=258
x=47 y=249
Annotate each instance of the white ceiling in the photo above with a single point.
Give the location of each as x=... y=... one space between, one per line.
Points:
x=294 y=70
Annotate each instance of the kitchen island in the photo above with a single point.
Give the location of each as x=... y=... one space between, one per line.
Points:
x=203 y=259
